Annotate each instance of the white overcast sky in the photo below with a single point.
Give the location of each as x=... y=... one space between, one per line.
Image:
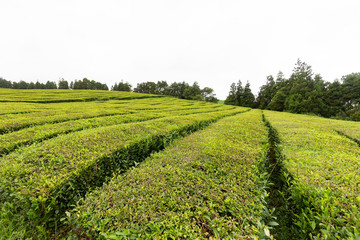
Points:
x=213 y=42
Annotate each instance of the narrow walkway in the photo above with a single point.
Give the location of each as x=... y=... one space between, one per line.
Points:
x=278 y=200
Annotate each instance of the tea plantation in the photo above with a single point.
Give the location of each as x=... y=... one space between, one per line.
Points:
x=80 y=164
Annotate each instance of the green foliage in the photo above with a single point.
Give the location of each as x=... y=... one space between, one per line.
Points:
x=89 y=84
x=227 y=181
x=50 y=85
x=193 y=92
x=277 y=103
x=351 y=90
x=4 y=83
x=40 y=181
x=240 y=96
x=305 y=92
x=121 y=86
x=55 y=96
x=63 y=84
x=31 y=129
x=162 y=88
x=203 y=186
x=146 y=87
x=266 y=93
x=324 y=166
x=178 y=89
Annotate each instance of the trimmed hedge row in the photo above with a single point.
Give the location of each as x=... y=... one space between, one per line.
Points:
x=9 y=125
x=12 y=140
x=206 y=185
x=39 y=114
x=348 y=128
x=40 y=181
x=15 y=109
x=325 y=170
x=57 y=95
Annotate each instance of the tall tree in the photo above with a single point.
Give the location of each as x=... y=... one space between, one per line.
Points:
x=193 y=92
x=122 y=86
x=209 y=95
x=231 y=98
x=63 y=84
x=162 y=88
x=88 y=84
x=5 y=84
x=177 y=89
x=248 y=98
x=334 y=97
x=239 y=93
x=20 y=85
x=266 y=93
x=50 y=85
x=240 y=96
x=278 y=101
x=351 y=90
x=146 y=87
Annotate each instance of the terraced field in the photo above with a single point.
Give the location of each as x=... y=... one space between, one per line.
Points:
x=322 y=160
x=119 y=165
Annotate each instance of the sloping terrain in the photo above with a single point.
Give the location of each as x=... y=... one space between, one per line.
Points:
x=119 y=165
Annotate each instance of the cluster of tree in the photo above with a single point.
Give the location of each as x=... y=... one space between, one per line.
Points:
x=88 y=84
x=178 y=89
x=306 y=92
x=62 y=84
x=121 y=86
x=25 y=85
x=240 y=96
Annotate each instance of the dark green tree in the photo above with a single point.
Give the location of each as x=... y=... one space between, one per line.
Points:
x=32 y=85
x=122 y=86
x=248 y=98
x=5 y=84
x=50 y=85
x=39 y=85
x=63 y=84
x=193 y=92
x=177 y=89
x=146 y=87
x=334 y=97
x=162 y=88
x=351 y=90
x=209 y=95
x=278 y=101
x=266 y=93
x=239 y=94
x=88 y=84
x=231 y=98
x=20 y=85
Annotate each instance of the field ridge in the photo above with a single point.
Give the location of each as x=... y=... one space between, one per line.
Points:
x=280 y=208
x=59 y=197
x=357 y=141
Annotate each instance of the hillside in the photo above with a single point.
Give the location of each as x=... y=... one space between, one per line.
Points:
x=117 y=165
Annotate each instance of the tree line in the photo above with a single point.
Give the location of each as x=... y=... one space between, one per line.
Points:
x=177 y=89
x=303 y=92
x=180 y=90
x=62 y=84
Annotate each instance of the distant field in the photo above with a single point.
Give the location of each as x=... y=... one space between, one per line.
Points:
x=84 y=164
x=48 y=96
